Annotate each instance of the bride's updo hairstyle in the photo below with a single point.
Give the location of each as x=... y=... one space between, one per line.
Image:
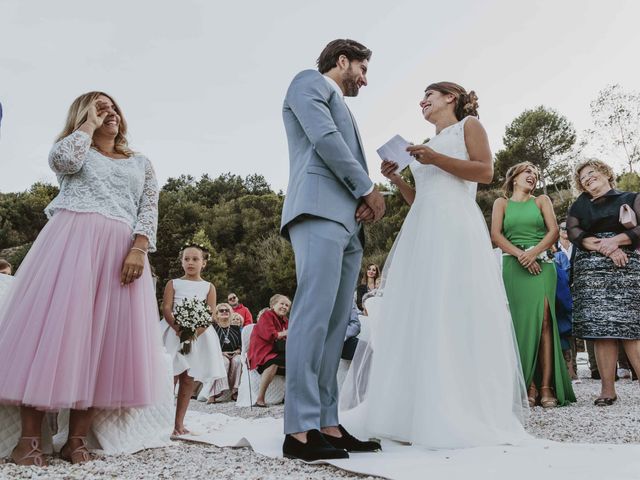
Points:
x=466 y=103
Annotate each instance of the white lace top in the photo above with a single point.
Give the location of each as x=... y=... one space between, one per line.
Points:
x=123 y=189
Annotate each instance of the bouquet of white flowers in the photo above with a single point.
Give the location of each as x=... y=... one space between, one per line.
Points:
x=190 y=315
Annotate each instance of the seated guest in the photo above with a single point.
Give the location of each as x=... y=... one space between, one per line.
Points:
x=234 y=301
x=265 y=309
x=236 y=320
x=368 y=283
x=564 y=244
x=5 y=285
x=5 y=267
x=230 y=343
x=368 y=295
x=351 y=337
x=267 y=344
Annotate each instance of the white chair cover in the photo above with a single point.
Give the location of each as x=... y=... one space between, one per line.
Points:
x=250 y=379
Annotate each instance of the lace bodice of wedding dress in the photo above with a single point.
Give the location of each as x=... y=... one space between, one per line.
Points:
x=430 y=179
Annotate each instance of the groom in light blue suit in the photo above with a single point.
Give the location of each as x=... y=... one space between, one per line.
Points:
x=329 y=195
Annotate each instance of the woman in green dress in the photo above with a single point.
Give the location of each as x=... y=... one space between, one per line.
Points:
x=524 y=227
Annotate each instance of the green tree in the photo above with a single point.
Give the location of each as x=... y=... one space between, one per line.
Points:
x=180 y=184
x=178 y=221
x=15 y=255
x=629 y=182
x=616 y=116
x=22 y=214
x=233 y=215
x=216 y=269
x=275 y=265
x=543 y=137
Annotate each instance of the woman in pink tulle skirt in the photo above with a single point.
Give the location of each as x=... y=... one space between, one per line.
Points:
x=79 y=329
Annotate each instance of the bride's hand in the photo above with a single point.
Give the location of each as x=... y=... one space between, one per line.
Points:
x=388 y=169
x=423 y=154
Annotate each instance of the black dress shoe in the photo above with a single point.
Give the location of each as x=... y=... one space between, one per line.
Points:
x=351 y=443
x=316 y=448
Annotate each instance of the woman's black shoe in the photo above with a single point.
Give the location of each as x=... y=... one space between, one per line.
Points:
x=316 y=448
x=605 y=402
x=351 y=443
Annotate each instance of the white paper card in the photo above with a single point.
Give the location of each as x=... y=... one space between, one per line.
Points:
x=396 y=151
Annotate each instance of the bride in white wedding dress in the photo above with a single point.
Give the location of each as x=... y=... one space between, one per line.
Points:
x=445 y=369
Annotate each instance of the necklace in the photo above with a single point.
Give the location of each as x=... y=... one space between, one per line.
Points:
x=113 y=155
x=104 y=152
x=226 y=332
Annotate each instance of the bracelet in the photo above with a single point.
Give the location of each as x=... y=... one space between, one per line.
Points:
x=140 y=250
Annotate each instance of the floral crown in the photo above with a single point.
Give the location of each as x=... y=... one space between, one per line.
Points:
x=200 y=246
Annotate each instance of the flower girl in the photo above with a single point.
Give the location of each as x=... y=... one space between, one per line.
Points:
x=187 y=308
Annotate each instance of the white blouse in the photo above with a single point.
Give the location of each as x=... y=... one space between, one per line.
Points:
x=122 y=189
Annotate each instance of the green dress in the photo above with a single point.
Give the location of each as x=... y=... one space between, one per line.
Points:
x=524 y=227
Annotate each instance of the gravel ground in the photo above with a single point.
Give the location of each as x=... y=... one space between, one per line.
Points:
x=581 y=422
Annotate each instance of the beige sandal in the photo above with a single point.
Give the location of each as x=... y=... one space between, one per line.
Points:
x=80 y=455
x=34 y=457
x=550 y=401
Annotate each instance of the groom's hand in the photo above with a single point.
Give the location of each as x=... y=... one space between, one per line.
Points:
x=375 y=201
x=364 y=214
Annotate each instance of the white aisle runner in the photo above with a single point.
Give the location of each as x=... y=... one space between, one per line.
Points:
x=534 y=460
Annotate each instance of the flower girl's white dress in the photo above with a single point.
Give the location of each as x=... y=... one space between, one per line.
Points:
x=204 y=362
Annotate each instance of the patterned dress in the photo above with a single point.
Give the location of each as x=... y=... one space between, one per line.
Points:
x=605 y=297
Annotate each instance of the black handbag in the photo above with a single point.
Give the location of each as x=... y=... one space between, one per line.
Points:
x=280 y=345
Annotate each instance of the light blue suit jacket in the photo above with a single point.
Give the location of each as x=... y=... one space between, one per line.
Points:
x=328 y=170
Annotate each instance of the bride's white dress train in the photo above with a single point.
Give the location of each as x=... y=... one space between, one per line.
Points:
x=447 y=371
x=444 y=365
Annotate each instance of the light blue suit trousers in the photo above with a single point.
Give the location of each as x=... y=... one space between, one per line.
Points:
x=324 y=250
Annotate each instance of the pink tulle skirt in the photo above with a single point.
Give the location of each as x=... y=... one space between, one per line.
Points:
x=70 y=335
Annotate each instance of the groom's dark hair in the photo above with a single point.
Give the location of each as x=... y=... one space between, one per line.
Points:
x=349 y=48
